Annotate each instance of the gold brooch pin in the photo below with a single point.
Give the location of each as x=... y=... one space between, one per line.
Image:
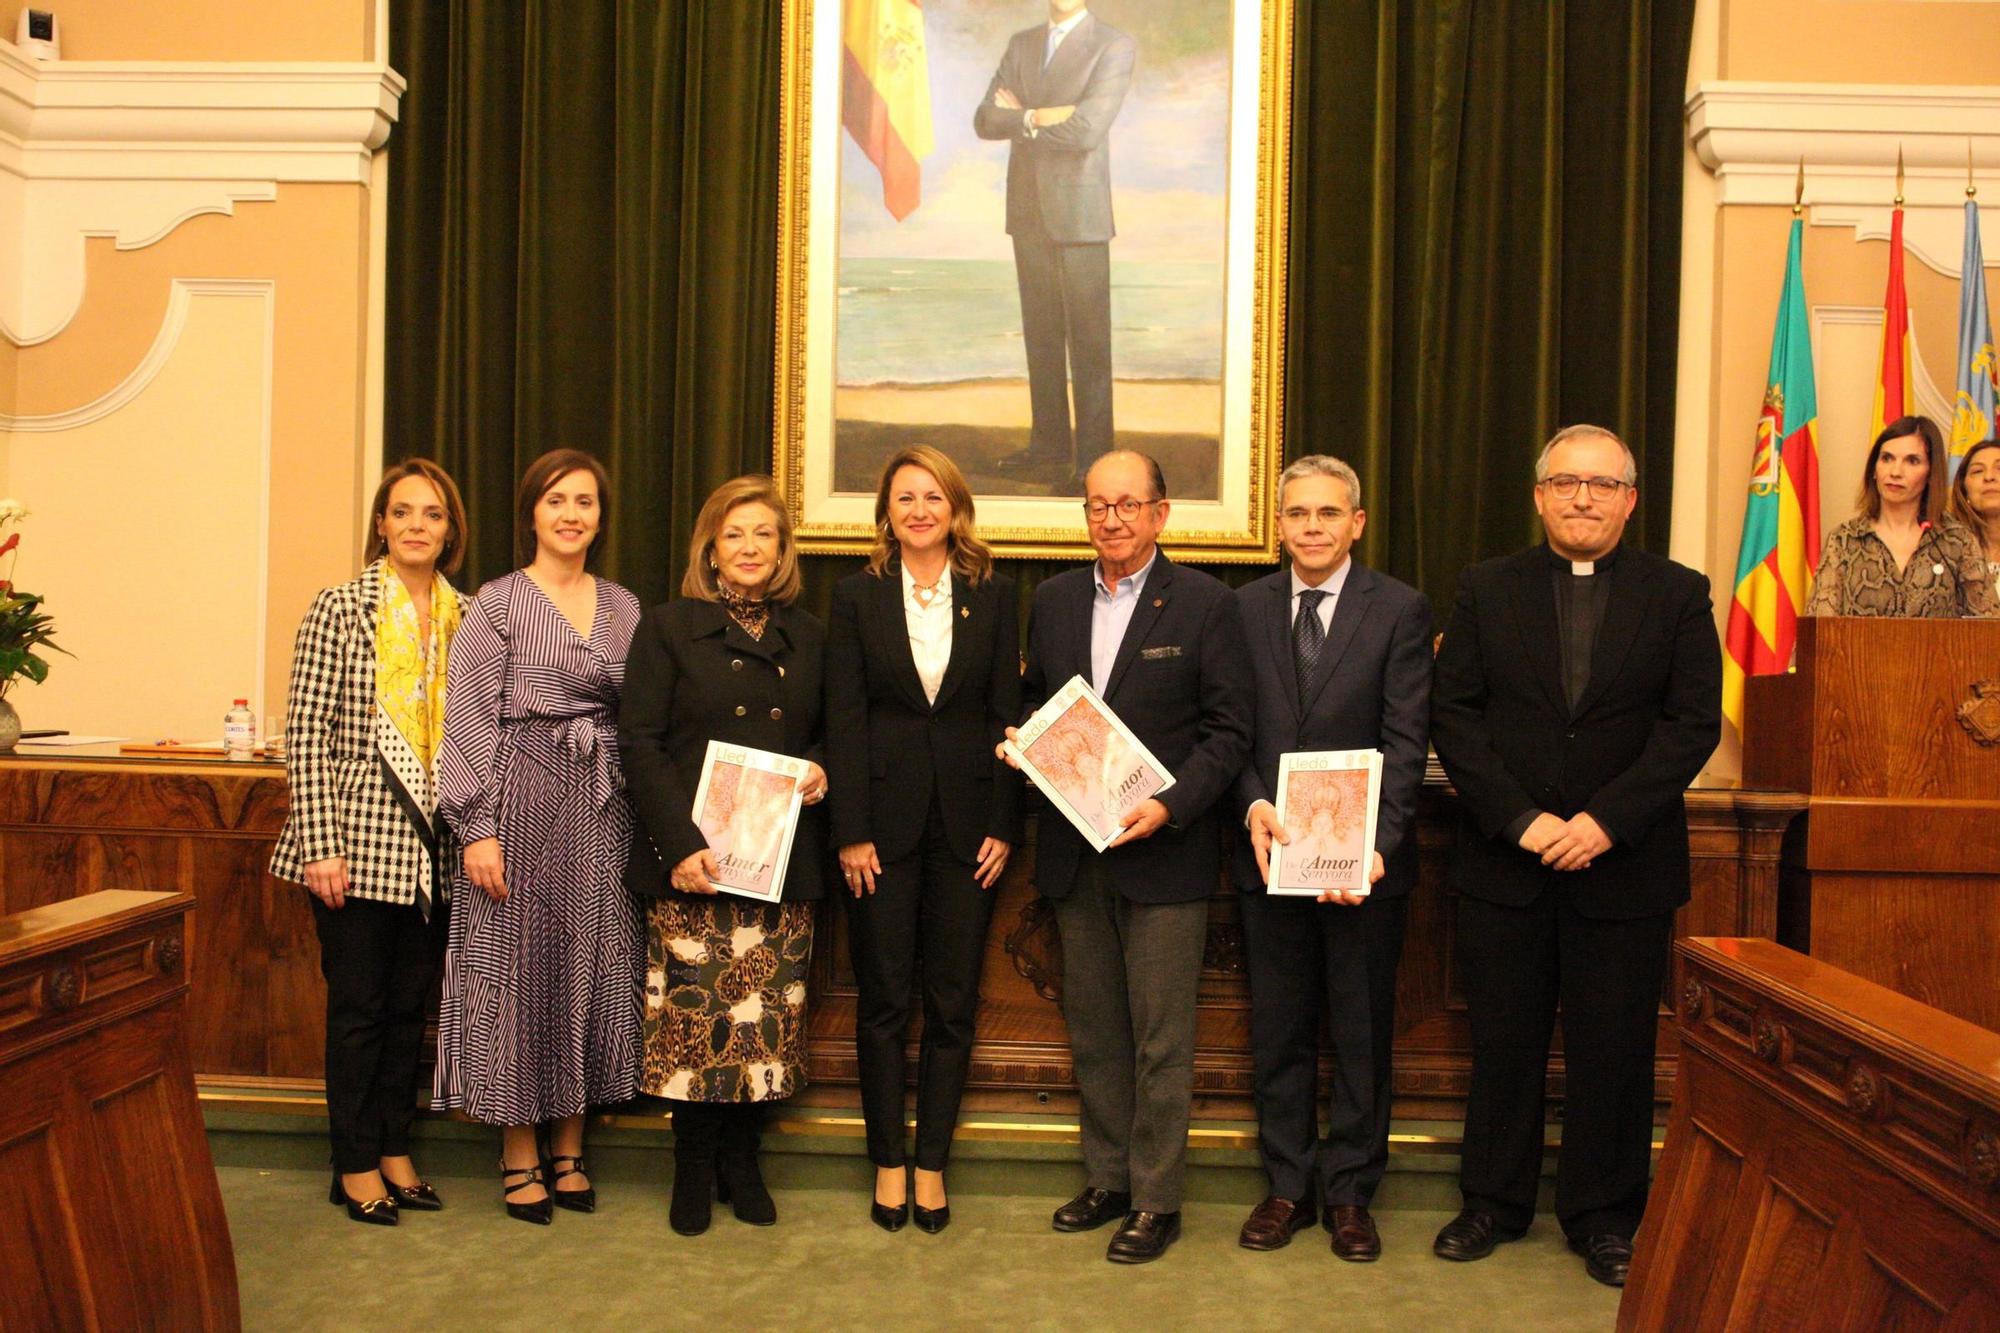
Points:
x=1159 y=601
x=965 y=613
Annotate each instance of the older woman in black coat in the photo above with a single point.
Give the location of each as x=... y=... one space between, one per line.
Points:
x=724 y=1018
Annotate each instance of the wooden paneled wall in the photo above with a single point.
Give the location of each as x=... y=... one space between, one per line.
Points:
x=257 y=997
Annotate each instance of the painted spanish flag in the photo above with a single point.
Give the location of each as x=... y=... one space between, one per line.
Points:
x=886 y=94
x=1780 y=550
x=1894 y=392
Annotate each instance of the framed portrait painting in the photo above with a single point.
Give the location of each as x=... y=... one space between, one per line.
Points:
x=1028 y=232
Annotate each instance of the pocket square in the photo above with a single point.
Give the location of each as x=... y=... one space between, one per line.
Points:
x=1155 y=654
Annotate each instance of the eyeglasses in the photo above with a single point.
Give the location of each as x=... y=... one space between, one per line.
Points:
x=1563 y=486
x=1126 y=509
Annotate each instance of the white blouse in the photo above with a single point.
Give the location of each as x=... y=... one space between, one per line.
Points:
x=930 y=631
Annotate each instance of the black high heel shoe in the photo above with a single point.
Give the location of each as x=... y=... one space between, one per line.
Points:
x=577 y=1201
x=932 y=1220
x=420 y=1197
x=379 y=1212
x=890 y=1217
x=539 y=1212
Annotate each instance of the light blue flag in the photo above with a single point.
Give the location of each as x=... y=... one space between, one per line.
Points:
x=1978 y=375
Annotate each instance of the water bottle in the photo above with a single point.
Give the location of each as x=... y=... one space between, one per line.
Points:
x=239 y=731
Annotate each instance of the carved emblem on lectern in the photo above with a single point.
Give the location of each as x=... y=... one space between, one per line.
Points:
x=1980 y=713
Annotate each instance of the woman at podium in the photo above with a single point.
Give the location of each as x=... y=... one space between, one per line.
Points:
x=1903 y=554
x=1975 y=501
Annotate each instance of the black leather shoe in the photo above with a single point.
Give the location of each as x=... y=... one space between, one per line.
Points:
x=888 y=1217
x=379 y=1212
x=1092 y=1209
x=1470 y=1235
x=931 y=1220
x=1354 y=1236
x=1144 y=1237
x=1605 y=1257
x=420 y=1197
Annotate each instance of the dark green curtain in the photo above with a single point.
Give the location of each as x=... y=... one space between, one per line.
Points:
x=1485 y=246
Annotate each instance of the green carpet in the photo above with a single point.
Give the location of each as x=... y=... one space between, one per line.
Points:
x=304 y=1266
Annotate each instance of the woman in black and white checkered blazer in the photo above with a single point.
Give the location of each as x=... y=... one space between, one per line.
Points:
x=364 y=837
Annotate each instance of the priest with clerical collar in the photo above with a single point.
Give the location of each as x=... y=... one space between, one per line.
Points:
x=1578 y=692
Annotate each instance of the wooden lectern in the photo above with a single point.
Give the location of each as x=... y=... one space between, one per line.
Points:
x=1892 y=730
x=110 y=1215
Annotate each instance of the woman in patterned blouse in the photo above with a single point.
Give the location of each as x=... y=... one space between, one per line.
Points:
x=1903 y=555
x=1975 y=500
x=363 y=834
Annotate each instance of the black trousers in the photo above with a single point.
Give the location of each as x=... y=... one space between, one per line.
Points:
x=1066 y=330
x=926 y=906
x=1310 y=962
x=380 y=962
x=1516 y=964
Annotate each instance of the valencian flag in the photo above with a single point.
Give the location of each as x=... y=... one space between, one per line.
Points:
x=885 y=94
x=1781 y=523
x=1978 y=377
x=1893 y=390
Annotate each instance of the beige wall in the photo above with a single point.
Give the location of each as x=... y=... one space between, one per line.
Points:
x=1858 y=41
x=208 y=29
x=1736 y=253
x=237 y=448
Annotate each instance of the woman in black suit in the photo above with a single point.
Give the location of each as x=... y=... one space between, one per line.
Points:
x=724 y=1007
x=923 y=677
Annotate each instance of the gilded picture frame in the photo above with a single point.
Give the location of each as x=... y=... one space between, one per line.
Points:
x=946 y=238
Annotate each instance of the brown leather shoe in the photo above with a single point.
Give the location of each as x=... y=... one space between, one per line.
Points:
x=1272 y=1223
x=1354 y=1236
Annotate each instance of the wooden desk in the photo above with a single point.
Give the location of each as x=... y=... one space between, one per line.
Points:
x=111 y=1217
x=1833 y=1160
x=72 y=825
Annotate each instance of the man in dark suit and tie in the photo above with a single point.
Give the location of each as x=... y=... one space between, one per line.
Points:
x=1053 y=99
x=1341 y=658
x=1578 y=692
x=1163 y=646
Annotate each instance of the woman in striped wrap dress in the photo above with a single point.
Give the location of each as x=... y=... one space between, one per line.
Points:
x=540 y=1013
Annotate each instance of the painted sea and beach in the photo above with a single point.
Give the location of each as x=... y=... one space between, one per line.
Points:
x=929 y=351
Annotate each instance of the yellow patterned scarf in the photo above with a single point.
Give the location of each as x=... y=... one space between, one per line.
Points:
x=409 y=673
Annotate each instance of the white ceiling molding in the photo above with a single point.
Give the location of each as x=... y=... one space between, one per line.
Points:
x=132 y=149
x=1752 y=135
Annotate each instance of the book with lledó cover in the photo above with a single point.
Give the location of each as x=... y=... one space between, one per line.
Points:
x=1087 y=762
x=747 y=807
x=1326 y=800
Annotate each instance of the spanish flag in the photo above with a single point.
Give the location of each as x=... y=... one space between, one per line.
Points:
x=1780 y=550
x=886 y=93
x=1894 y=392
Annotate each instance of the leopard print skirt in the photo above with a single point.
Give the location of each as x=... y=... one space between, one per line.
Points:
x=725 y=1005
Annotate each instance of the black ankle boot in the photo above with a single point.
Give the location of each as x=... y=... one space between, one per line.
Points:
x=695 y=1127
x=739 y=1182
